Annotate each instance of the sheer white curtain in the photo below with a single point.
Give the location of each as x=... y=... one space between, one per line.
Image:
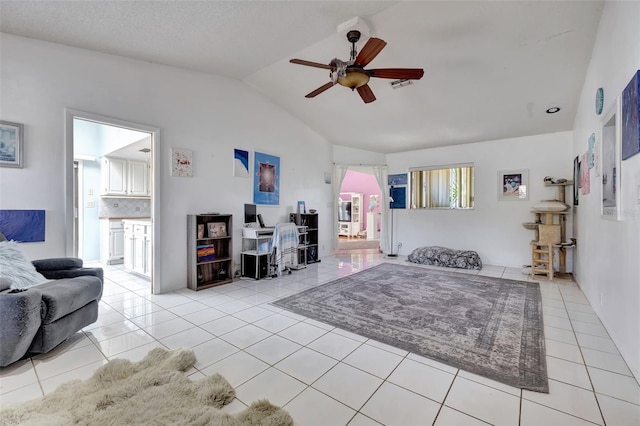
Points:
x=339 y=172
x=381 y=174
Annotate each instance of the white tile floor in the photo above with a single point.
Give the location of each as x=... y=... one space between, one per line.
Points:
x=326 y=376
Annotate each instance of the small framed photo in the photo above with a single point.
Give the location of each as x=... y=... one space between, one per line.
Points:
x=513 y=185
x=200 y=231
x=11 y=144
x=217 y=229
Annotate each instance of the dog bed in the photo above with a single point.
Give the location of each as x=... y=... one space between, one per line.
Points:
x=442 y=256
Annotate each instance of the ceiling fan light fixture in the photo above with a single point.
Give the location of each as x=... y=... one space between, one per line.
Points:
x=354 y=79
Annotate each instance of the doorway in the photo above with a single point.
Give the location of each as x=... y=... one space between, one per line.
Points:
x=114 y=183
x=360 y=208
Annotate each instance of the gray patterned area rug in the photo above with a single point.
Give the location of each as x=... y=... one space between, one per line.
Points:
x=488 y=326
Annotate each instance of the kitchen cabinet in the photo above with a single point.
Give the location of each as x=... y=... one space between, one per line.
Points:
x=137 y=246
x=122 y=177
x=111 y=241
x=138 y=184
x=114 y=176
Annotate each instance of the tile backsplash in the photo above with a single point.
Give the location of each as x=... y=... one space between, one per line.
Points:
x=125 y=207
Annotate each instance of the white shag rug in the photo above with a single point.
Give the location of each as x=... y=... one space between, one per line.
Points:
x=153 y=391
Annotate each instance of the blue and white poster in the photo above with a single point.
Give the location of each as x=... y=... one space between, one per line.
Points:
x=397 y=179
x=266 y=179
x=240 y=163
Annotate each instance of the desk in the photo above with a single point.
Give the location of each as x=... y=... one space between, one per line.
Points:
x=255 y=254
x=255 y=257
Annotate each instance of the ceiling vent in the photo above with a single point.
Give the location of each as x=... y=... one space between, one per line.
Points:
x=396 y=84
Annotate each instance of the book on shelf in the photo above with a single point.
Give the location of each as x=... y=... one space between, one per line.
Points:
x=206 y=252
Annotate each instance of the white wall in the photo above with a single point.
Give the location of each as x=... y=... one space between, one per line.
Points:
x=207 y=114
x=90 y=178
x=608 y=254
x=354 y=156
x=493 y=228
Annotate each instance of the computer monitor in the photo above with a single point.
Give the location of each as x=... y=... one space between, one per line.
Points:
x=250 y=213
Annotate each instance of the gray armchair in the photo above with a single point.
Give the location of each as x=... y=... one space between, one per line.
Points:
x=39 y=318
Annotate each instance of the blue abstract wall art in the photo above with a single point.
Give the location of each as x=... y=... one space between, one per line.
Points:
x=631 y=118
x=25 y=226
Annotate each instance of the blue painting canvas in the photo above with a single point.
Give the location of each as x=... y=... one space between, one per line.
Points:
x=631 y=118
x=25 y=226
x=266 y=179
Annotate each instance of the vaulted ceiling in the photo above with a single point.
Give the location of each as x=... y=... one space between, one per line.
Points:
x=491 y=68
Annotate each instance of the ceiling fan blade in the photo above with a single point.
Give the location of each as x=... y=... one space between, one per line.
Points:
x=370 y=51
x=320 y=90
x=312 y=64
x=366 y=94
x=397 y=73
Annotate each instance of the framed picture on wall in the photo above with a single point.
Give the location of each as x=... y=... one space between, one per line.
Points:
x=630 y=118
x=181 y=162
x=11 y=144
x=240 y=163
x=513 y=185
x=397 y=179
x=266 y=179
x=398 y=197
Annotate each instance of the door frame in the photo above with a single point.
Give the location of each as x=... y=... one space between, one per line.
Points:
x=70 y=115
x=379 y=171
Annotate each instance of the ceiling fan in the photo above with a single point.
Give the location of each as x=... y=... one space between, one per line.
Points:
x=352 y=74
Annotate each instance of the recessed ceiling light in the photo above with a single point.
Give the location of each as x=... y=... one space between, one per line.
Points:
x=553 y=110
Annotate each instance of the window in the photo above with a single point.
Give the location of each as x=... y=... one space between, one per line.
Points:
x=442 y=187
